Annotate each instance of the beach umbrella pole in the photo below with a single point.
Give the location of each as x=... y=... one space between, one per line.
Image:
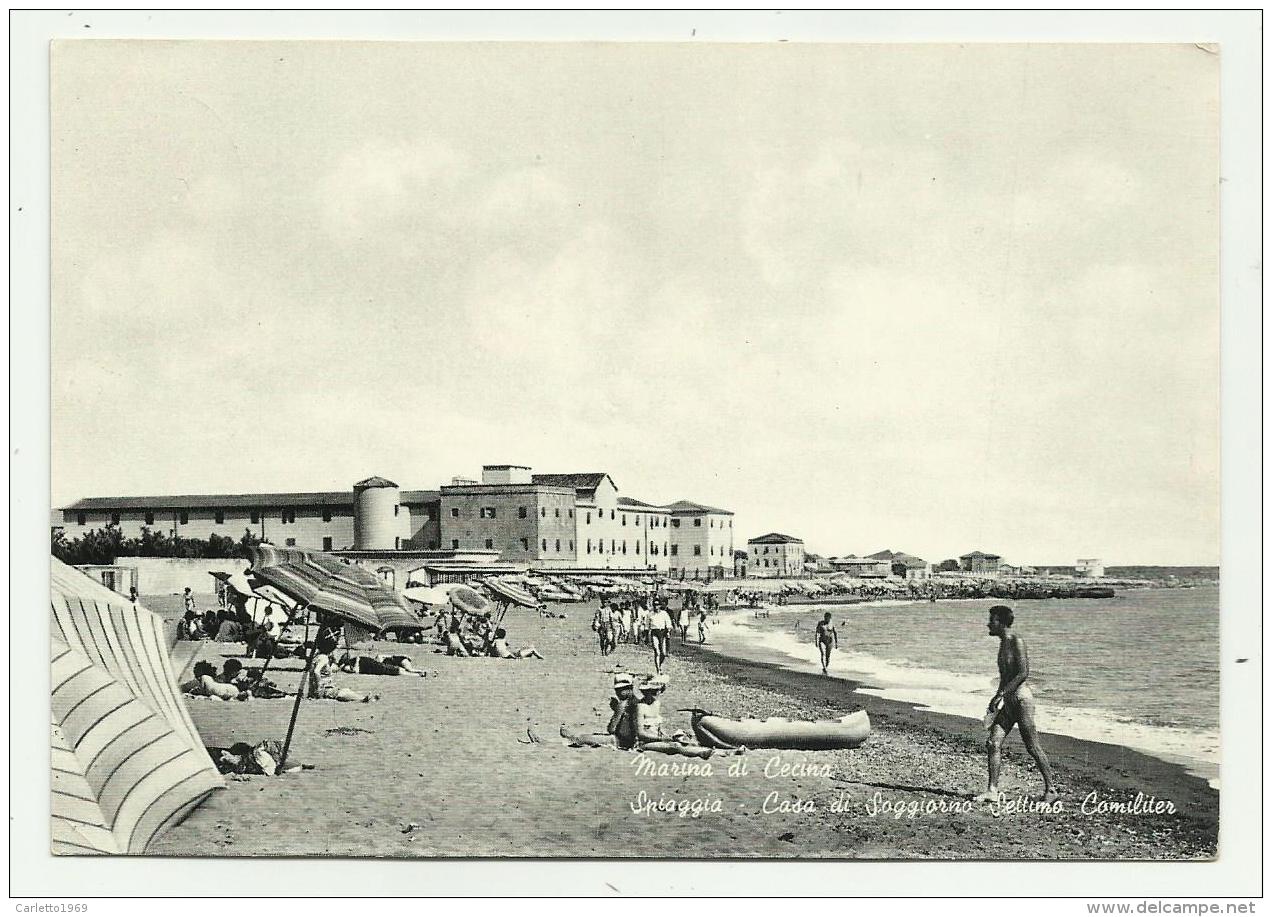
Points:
x=300 y=692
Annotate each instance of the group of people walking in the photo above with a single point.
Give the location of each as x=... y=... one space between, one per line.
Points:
x=648 y=620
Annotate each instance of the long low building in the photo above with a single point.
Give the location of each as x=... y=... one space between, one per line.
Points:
x=540 y=520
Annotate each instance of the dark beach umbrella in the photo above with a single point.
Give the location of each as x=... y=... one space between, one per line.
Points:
x=333 y=588
x=469 y=600
x=506 y=594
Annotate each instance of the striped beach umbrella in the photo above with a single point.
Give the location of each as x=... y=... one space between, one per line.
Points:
x=127 y=761
x=509 y=593
x=327 y=584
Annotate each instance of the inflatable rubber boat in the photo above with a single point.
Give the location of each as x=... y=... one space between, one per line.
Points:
x=806 y=735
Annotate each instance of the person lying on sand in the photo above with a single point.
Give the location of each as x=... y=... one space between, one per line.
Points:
x=322 y=684
x=379 y=665
x=620 y=732
x=1012 y=704
x=499 y=648
x=206 y=684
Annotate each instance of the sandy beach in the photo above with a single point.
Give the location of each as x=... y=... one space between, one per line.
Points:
x=469 y=762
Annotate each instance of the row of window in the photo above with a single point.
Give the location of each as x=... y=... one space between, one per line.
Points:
x=218 y=516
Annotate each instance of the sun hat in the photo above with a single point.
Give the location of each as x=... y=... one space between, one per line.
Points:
x=657 y=683
x=622 y=680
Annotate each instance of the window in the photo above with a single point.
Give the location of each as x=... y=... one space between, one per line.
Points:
x=326 y=515
x=150 y=517
x=291 y=542
x=80 y=519
x=611 y=514
x=487 y=512
x=185 y=517
x=624 y=518
x=571 y=513
x=711 y=523
x=675 y=550
x=256 y=517
x=624 y=545
x=490 y=544
x=454 y=543
x=396 y=507
x=589 y=546
x=525 y=542
x=454 y=512
x=287 y=515
x=326 y=543
x=766 y=549
x=543 y=512
x=675 y=523
x=638 y=547
x=697 y=521
x=558 y=546
x=730 y=523
x=397 y=543
x=557 y=512
x=521 y=512
x=220 y=517
x=544 y=544
x=614 y=546
x=114 y=518
x=571 y=545
x=653 y=549
x=697 y=550
x=589 y=519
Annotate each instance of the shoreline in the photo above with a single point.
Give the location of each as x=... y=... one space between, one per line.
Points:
x=468 y=763
x=741 y=648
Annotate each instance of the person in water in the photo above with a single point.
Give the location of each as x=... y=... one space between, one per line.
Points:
x=827 y=639
x=1013 y=704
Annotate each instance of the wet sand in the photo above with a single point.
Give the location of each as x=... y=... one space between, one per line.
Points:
x=469 y=762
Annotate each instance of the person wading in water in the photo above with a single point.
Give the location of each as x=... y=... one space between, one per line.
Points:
x=1013 y=704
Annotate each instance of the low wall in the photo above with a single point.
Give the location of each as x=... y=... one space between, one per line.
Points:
x=169 y=575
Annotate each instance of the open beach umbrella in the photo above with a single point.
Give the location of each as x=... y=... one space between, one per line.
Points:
x=506 y=594
x=469 y=600
x=127 y=761
x=328 y=585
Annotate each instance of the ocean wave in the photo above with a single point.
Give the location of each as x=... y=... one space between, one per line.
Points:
x=965 y=695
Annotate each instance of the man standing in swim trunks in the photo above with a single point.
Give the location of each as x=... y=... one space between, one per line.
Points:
x=827 y=639
x=1013 y=704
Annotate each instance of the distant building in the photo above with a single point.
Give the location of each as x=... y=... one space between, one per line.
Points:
x=909 y=567
x=979 y=563
x=510 y=515
x=1089 y=566
x=864 y=567
x=775 y=554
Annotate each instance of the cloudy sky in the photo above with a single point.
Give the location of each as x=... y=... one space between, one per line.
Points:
x=933 y=298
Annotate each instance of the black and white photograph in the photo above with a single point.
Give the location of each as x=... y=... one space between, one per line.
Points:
x=637 y=451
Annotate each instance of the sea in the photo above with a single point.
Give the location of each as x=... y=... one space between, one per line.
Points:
x=1139 y=670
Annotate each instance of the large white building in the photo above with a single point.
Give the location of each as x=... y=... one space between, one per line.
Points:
x=775 y=554
x=577 y=521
